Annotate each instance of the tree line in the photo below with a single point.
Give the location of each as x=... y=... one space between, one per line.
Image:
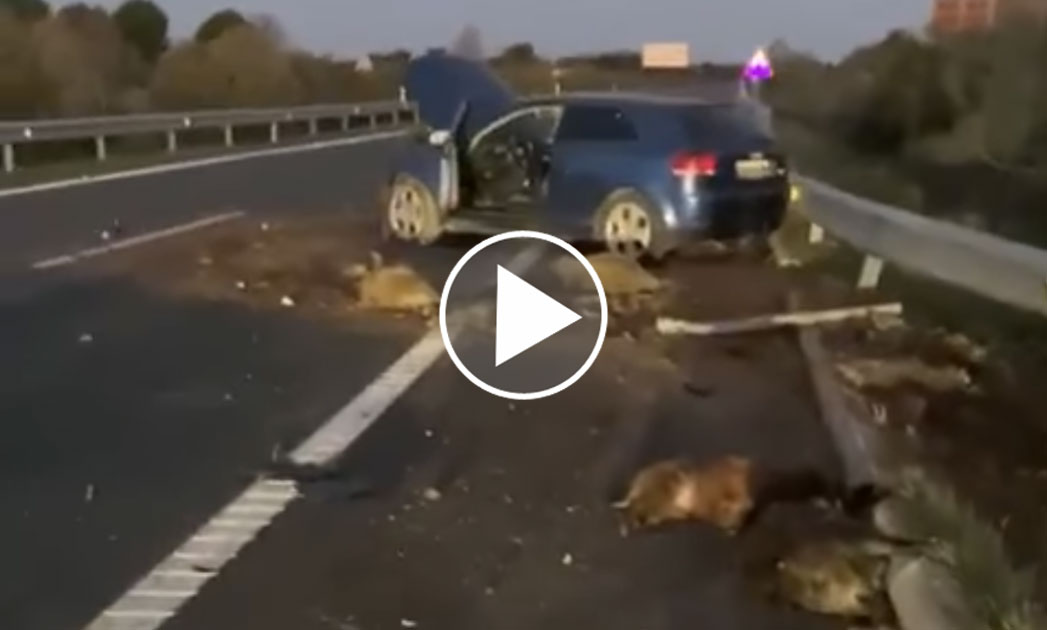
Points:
x=83 y=60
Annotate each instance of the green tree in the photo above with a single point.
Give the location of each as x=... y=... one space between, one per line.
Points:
x=143 y=26
x=521 y=52
x=26 y=9
x=213 y=27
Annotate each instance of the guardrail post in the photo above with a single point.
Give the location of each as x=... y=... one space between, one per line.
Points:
x=274 y=132
x=372 y=120
x=345 y=123
x=314 y=126
x=9 y=158
x=229 y=135
x=557 y=88
x=869 y=277
x=172 y=141
x=815 y=233
x=403 y=94
x=100 y=148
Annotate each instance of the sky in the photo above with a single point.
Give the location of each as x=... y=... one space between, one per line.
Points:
x=717 y=30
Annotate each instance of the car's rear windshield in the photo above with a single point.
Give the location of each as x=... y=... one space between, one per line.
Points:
x=719 y=124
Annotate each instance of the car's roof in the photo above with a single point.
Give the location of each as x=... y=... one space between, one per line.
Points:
x=618 y=99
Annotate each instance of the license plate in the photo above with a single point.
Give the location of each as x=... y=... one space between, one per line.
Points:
x=754 y=168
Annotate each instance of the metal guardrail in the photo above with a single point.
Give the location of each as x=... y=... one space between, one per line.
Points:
x=13 y=133
x=1005 y=271
x=1002 y=270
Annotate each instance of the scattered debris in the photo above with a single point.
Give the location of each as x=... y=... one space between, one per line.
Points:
x=889 y=373
x=355 y=271
x=431 y=494
x=265 y=226
x=567 y=560
x=86 y=338
x=287 y=301
x=701 y=391
x=241 y=285
x=205 y=261
x=377 y=262
x=669 y=326
x=408 y=623
x=673 y=490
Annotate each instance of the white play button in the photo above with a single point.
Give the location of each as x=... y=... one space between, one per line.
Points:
x=524 y=316
x=509 y=293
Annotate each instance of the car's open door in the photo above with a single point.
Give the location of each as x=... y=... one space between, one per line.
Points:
x=451 y=144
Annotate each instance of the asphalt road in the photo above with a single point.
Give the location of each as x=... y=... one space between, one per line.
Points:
x=131 y=416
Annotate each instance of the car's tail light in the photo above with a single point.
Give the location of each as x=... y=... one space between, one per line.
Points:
x=694 y=164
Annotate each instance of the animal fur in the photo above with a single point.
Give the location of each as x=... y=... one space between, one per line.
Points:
x=675 y=490
x=729 y=492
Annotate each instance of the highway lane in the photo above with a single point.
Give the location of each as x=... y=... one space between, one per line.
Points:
x=520 y=534
x=128 y=415
x=118 y=447
x=49 y=223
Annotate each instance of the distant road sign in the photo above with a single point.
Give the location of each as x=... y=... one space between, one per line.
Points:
x=759 y=67
x=666 y=55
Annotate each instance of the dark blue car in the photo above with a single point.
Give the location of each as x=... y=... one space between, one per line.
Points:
x=642 y=174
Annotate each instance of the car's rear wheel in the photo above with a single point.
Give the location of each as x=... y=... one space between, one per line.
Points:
x=627 y=226
x=412 y=213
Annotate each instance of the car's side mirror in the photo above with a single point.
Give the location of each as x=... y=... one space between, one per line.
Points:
x=439 y=137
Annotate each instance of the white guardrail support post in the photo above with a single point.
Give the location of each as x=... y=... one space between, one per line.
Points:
x=815 y=234
x=9 y=158
x=314 y=126
x=229 y=139
x=172 y=140
x=100 y=151
x=274 y=132
x=869 y=277
x=345 y=123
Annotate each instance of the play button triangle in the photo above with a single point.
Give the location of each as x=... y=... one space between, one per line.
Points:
x=524 y=316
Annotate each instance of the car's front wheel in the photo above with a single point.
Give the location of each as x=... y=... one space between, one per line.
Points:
x=627 y=225
x=412 y=213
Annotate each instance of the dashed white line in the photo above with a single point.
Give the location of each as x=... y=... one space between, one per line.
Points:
x=141 y=239
x=162 y=601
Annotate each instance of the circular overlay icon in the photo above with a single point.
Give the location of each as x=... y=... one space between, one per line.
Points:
x=523 y=315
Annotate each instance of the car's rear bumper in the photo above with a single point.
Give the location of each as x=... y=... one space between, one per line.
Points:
x=731 y=216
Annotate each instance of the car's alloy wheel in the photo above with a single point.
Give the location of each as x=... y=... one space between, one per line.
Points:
x=406 y=215
x=627 y=229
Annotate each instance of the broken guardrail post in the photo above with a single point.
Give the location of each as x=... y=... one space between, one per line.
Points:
x=100 y=151
x=9 y=158
x=815 y=233
x=869 y=277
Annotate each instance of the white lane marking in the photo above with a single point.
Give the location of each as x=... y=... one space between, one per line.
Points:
x=331 y=439
x=139 y=614
x=161 y=594
x=141 y=239
x=188 y=164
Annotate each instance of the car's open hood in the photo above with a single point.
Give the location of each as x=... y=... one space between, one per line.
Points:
x=441 y=83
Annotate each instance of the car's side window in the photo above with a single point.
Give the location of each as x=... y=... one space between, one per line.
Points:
x=536 y=125
x=595 y=123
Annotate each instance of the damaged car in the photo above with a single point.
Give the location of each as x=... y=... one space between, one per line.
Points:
x=641 y=174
